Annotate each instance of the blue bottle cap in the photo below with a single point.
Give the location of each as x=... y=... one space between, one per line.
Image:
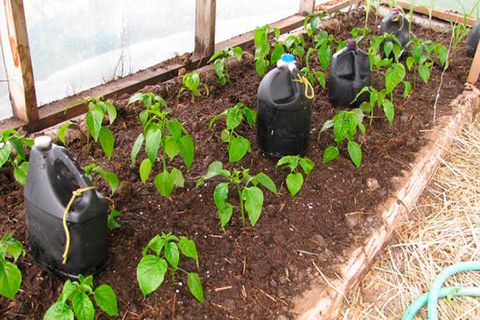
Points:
x=287 y=57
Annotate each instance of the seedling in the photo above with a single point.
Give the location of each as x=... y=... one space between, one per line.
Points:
x=262 y=49
x=295 y=44
x=295 y=179
x=10 y=275
x=345 y=125
x=112 y=180
x=249 y=194
x=323 y=43
x=98 y=109
x=460 y=32
x=381 y=49
x=191 y=82
x=75 y=301
x=160 y=131
x=13 y=151
x=422 y=58
x=162 y=253
x=238 y=145
x=220 y=63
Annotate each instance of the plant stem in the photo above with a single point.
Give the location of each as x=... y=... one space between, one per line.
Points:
x=242 y=210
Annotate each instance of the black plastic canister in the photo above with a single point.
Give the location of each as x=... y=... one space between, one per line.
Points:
x=284 y=101
x=349 y=73
x=395 y=23
x=472 y=39
x=52 y=177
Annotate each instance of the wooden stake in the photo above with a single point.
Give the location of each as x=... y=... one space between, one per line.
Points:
x=18 y=64
x=205 y=12
x=306 y=7
x=475 y=69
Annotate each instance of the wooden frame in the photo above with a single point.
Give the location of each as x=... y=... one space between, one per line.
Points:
x=205 y=17
x=306 y=7
x=18 y=64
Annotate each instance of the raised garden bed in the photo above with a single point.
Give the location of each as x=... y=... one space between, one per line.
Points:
x=261 y=272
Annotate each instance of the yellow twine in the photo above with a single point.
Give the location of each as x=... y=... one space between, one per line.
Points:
x=75 y=194
x=308 y=86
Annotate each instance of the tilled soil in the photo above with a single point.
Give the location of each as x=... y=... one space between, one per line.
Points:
x=247 y=273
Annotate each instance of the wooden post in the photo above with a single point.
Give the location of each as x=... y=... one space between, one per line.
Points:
x=18 y=64
x=205 y=12
x=475 y=68
x=306 y=7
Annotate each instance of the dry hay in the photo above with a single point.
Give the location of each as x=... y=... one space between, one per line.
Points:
x=443 y=229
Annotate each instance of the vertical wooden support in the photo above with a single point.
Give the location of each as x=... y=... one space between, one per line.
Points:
x=18 y=64
x=475 y=68
x=205 y=16
x=306 y=7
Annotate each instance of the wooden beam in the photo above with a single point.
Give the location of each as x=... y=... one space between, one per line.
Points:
x=475 y=68
x=18 y=64
x=334 y=6
x=205 y=16
x=306 y=7
x=437 y=13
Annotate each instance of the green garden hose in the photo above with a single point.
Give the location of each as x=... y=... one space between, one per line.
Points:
x=430 y=298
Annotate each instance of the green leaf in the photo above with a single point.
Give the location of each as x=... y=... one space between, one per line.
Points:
x=261 y=66
x=106 y=299
x=393 y=76
x=389 y=110
x=136 y=148
x=171 y=147
x=94 y=120
x=59 y=311
x=355 y=153
x=195 y=286
x=294 y=183
x=62 y=130
x=4 y=154
x=388 y=48
x=220 y=194
x=320 y=76
x=234 y=117
x=153 y=139
x=83 y=306
x=20 y=173
x=278 y=50
x=13 y=247
x=250 y=116
x=424 y=72
x=188 y=249
x=330 y=154
x=175 y=128
x=408 y=89
x=265 y=181
x=156 y=244
x=107 y=141
x=172 y=254
x=187 y=150
x=253 y=197
x=69 y=288
x=239 y=146
x=150 y=273
x=307 y=165
x=179 y=180
x=237 y=53
x=110 y=177
x=164 y=182
x=225 y=214
x=10 y=279
x=410 y=61
x=145 y=169
x=112 y=223
x=324 y=56
x=111 y=111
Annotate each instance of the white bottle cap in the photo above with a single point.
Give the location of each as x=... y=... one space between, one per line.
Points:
x=43 y=142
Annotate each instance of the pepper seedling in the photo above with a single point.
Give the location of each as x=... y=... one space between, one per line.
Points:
x=75 y=301
x=422 y=60
x=161 y=254
x=161 y=132
x=191 y=82
x=262 y=49
x=10 y=275
x=323 y=42
x=247 y=186
x=345 y=125
x=295 y=179
x=13 y=150
x=112 y=180
x=220 y=63
x=238 y=145
x=97 y=110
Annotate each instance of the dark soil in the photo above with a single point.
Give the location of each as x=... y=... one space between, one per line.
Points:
x=248 y=273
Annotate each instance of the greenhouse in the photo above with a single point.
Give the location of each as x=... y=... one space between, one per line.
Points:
x=227 y=159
